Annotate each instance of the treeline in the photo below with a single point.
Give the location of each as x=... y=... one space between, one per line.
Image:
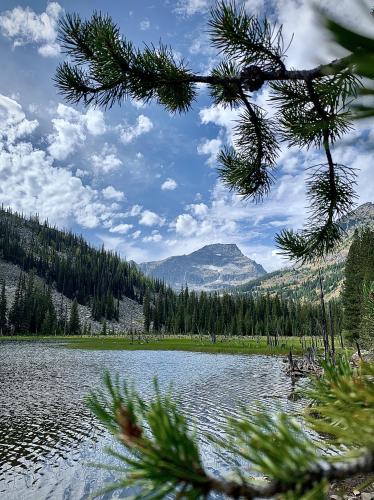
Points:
x=358 y=292
x=235 y=314
x=33 y=312
x=96 y=278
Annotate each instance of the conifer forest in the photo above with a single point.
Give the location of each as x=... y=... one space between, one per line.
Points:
x=187 y=250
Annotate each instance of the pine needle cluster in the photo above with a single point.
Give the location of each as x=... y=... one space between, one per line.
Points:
x=162 y=457
x=313 y=108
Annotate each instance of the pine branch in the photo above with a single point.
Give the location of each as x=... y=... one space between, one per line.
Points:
x=163 y=458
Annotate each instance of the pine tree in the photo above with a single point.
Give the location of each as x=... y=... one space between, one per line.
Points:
x=74 y=321
x=147 y=312
x=3 y=311
x=311 y=106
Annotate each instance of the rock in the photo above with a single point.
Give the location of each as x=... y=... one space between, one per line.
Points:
x=365 y=356
x=212 y=267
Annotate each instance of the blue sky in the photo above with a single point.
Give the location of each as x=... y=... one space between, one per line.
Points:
x=134 y=178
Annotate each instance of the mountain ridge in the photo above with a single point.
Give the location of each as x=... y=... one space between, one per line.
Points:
x=211 y=267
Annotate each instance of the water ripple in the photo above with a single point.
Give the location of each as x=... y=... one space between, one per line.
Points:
x=47 y=435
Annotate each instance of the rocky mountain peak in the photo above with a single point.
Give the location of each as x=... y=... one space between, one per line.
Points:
x=212 y=267
x=220 y=249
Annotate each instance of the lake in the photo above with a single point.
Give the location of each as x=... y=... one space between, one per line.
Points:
x=48 y=438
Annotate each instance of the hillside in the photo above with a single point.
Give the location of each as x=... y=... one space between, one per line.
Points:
x=302 y=281
x=212 y=267
x=105 y=286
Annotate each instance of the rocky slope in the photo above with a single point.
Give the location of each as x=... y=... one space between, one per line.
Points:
x=130 y=312
x=212 y=267
x=302 y=281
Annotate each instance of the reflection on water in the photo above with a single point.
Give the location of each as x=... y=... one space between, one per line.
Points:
x=48 y=437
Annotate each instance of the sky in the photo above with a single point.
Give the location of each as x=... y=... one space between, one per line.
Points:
x=135 y=178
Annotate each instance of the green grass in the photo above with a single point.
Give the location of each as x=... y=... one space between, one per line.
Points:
x=225 y=345
x=236 y=345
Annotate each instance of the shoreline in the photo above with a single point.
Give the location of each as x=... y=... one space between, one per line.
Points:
x=223 y=345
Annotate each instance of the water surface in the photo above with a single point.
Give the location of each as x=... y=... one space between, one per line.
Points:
x=48 y=437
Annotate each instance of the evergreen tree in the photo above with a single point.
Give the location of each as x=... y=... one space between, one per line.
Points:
x=311 y=106
x=3 y=311
x=147 y=312
x=74 y=321
x=359 y=274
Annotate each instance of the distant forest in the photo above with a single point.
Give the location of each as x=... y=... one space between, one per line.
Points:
x=96 y=278
x=99 y=279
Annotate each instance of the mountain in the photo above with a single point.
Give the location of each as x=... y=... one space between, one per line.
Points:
x=105 y=286
x=302 y=281
x=212 y=267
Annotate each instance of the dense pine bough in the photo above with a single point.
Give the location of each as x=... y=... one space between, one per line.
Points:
x=161 y=455
x=312 y=107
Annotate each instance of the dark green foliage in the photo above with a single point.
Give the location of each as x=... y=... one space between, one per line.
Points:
x=107 y=68
x=32 y=310
x=3 y=311
x=74 y=321
x=236 y=314
x=367 y=320
x=96 y=278
x=359 y=275
x=361 y=48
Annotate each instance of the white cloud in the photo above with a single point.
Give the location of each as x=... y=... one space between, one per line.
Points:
x=24 y=26
x=95 y=123
x=169 y=185
x=107 y=160
x=121 y=228
x=145 y=24
x=198 y=209
x=30 y=183
x=129 y=134
x=186 y=225
x=210 y=147
x=135 y=210
x=110 y=193
x=149 y=218
x=70 y=129
x=13 y=122
x=190 y=7
x=155 y=237
x=135 y=235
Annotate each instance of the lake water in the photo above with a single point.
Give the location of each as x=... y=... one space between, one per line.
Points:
x=48 y=438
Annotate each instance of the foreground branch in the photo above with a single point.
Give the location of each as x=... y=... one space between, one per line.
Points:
x=323 y=471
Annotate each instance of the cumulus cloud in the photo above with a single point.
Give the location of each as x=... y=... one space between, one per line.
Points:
x=169 y=185
x=70 y=128
x=13 y=122
x=186 y=225
x=130 y=133
x=149 y=218
x=198 y=209
x=23 y=26
x=121 y=228
x=210 y=147
x=30 y=183
x=110 y=193
x=107 y=160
